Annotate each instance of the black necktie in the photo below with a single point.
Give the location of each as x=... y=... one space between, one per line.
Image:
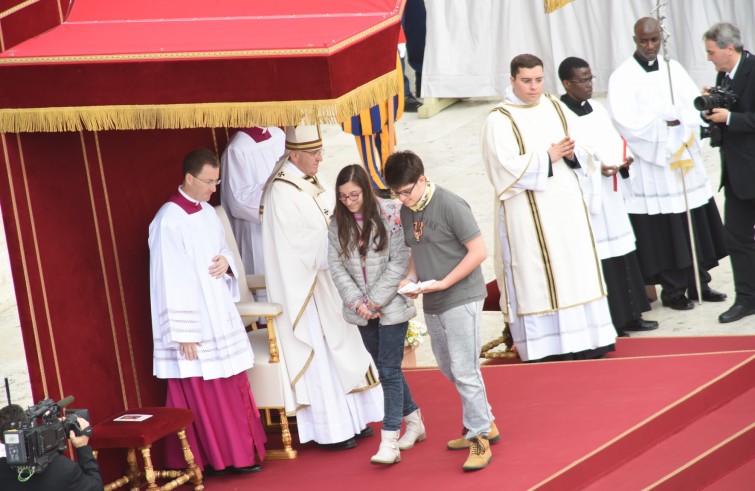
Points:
x=727 y=82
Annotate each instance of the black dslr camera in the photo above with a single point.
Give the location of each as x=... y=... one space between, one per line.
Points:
x=32 y=444
x=716 y=97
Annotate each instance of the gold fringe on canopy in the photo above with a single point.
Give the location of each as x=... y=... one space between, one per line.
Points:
x=553 y=5
x=200 y=115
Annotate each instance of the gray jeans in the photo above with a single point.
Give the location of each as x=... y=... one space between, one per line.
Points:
x=456 y=343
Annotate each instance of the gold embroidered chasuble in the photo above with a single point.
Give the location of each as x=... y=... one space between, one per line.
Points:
x=294 y=231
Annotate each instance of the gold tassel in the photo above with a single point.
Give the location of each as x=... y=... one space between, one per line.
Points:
x=676 y=159
x=201 y=115
x=553 y=5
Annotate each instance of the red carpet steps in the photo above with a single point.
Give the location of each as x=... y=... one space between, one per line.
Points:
x=622 y=423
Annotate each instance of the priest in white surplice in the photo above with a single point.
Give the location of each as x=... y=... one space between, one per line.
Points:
x=662 y=136
x=547 y=267
x=604 y=193
x=246 y=164
x=200 y=345
x=335 y=390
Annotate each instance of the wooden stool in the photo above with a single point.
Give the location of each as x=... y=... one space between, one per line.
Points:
x=141 y=435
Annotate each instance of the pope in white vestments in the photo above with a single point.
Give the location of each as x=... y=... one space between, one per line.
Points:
x=334 y=389
x=246 y=164
x=547 y=267
x=200 y=344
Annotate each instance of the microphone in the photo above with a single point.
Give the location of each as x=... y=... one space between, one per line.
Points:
x=66 y=401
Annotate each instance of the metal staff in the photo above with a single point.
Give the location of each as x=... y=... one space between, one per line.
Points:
x=664 y=38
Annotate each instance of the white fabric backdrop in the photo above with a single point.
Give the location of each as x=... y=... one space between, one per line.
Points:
x=470 y=43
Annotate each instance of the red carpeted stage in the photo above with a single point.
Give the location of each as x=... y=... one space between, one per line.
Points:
x=664 y=421
x=100 y=100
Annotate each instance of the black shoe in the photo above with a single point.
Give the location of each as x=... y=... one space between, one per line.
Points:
x=709 y=295
x=367 y=431
x=679 y=303
x=246 y=470
x=411 y=104
x=641 y=325
x=622 y=334
x=344 y=445
x=736 y=312
x=211 y=471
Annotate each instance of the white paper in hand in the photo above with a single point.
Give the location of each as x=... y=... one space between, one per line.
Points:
x=415 y=287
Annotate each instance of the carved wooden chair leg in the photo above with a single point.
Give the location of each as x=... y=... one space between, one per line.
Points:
x=286 y=434
x=191 y=465
x=149 y=470
x=508 y=339
x=133 y=470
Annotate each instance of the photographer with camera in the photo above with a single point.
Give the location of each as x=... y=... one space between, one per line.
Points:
x=59 y=473
x=735 y=122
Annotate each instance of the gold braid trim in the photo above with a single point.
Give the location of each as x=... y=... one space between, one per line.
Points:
x=200 y=115
x=560 y=112
x=18 y=7
x=519 y=142
x=371 y=381
x=553 y=5
x=544 y=253
x=192 y=55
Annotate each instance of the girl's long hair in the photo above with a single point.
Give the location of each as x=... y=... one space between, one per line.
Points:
x=349 y=234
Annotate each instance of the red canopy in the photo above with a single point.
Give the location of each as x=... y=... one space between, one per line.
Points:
x=189 y=63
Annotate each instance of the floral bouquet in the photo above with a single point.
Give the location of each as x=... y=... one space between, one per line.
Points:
x=414 y=334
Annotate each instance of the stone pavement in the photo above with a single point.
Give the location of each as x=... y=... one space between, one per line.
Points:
x=449 y=145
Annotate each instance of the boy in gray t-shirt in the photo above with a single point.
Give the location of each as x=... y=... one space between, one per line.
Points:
x=447 y=247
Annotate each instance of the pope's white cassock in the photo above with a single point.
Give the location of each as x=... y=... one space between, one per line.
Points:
x=188 y=304
x=639 y=102
x=334 y=388
x=245 y=166
x=547 y=267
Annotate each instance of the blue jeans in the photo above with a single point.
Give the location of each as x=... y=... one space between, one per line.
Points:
x=386 y=345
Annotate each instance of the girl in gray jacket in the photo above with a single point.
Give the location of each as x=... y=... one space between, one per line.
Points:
x=368 y=259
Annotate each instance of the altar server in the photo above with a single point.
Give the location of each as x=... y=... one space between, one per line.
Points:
x=246 y=164
x=547 y=267
x=662 y=135
x=603 y=191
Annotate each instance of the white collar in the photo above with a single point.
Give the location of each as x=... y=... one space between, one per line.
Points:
x=291 y=168
x=734 y=70
x=180 y=190
x=510 y=97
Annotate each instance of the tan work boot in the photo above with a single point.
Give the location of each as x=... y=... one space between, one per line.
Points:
x=463 y=444
x=415 y=431
x=388 y=453
x=479 y=454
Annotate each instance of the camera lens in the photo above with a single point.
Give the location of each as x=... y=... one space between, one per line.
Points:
x=707 y=102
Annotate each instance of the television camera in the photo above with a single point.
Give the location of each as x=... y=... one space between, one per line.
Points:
x=33 y=443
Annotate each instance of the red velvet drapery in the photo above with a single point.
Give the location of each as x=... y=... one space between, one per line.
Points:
x=76 y=203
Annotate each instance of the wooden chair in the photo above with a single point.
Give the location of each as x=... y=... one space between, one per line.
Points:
x=135 y=434
x=268 y=375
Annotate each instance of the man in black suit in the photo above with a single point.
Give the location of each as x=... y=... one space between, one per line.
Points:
x=62 y=473
x=736 y=71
